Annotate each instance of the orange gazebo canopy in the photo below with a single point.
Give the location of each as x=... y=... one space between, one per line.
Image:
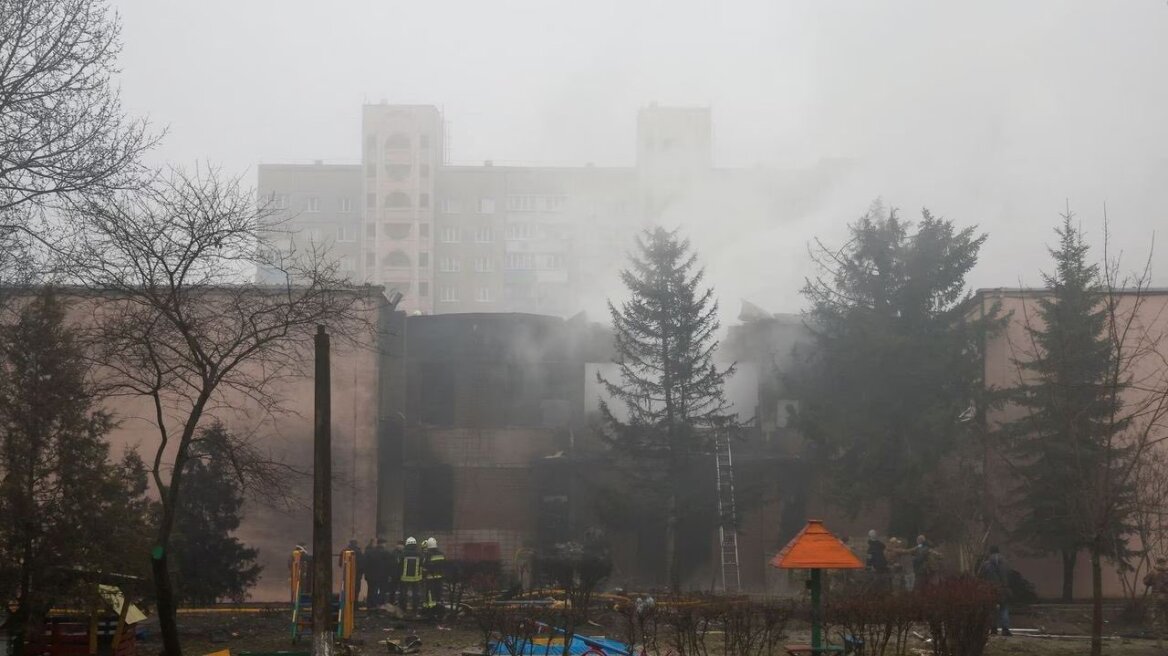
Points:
x=815 y=547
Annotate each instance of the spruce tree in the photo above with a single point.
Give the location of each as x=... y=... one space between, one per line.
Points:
x=210 y=563
x=669 y=388
x=1069 y=407
x=895 y=365
x=66 y=505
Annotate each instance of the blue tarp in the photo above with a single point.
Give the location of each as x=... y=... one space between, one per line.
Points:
x=543 y=646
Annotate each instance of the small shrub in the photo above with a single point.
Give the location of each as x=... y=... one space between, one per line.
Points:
x=754 y=629
x=688 y=625
x=640 y=624
x=882 y=620
x=960 y=614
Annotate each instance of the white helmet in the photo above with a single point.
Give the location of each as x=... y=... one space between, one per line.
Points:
x=410 y=541
x=431 y=543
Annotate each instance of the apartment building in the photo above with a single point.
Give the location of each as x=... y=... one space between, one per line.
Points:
x=489 y=238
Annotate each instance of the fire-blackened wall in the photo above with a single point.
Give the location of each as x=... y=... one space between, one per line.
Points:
x=478 y=404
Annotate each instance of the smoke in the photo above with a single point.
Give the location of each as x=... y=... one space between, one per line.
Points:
x=994 y=113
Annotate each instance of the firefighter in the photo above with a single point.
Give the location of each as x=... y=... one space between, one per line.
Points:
x=433 y=572
x=410 y=575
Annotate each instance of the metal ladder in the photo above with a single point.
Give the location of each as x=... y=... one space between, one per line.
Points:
x=727 y=519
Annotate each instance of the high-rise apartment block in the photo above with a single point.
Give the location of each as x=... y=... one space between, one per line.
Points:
x=488 y=238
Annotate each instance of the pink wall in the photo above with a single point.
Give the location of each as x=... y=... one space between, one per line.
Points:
x=287 y=437
x=1150 y=323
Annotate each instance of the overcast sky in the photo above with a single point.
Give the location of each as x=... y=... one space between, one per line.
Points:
x=991 y=111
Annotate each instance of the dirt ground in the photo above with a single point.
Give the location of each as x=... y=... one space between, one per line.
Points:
x=269 y=630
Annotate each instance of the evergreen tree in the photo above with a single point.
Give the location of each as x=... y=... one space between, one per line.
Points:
x=669 y=390
x=66 y=506
x=1070 y=408
x=210 y=563
x=895 y=364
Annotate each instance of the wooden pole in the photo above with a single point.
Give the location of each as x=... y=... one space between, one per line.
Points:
x=322 y=502
x=125 y=610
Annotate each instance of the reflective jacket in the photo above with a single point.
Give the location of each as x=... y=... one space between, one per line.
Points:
x=411 y=564
x=434 y=566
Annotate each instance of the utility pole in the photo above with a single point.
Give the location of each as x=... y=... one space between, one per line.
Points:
x=322 y=504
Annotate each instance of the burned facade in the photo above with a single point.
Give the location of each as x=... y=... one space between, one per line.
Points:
x=477 y=410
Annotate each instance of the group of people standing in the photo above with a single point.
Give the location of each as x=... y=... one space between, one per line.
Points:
x=910 y=567
x=409 y=576
x=890 y=561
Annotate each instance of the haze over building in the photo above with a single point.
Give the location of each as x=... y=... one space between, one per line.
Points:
x=488 y=237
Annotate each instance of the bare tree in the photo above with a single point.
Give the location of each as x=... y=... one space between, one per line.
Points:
x=177 y=326
x=1149 y=521
x=62 y=128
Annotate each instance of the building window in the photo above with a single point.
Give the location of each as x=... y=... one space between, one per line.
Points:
x=370 y=230
x=424 y=170
x=280 y=201
x=396 y=260
x=518 y=231
x=346 y=205
x=423 y=200
x=371 y=170
x=423 y=288
x=484 y=235
x=483 y=295
x=369 y=260
x=397 y=200
x=346 y=234
x=423 y=260
x=451 y=206
x=424 y=230
x=347 y=264
x=448 y=294
x=370 y=200
x=312 y=204
x=397 y=230
x=519 y=261
x=449 y=264
x=484 y=264
x=314 y=235
x=424 y=141
x=554 y=261
x=486 y=206
x=554 y=203
x=397 y=141
x=521 y=203
x=449 y=235
x=397 y=172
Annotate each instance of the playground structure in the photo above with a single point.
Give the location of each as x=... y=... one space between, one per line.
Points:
x=107 y=627
x=815 y=548
x=344 y=604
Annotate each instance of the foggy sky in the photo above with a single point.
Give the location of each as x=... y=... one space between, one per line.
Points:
x=990 y=112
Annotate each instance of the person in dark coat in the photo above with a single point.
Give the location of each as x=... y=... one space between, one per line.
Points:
x=376 y=573
x=392 y=574
x=996 y=571
x=876 y=560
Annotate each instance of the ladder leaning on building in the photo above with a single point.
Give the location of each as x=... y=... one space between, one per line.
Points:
x=727 y=517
